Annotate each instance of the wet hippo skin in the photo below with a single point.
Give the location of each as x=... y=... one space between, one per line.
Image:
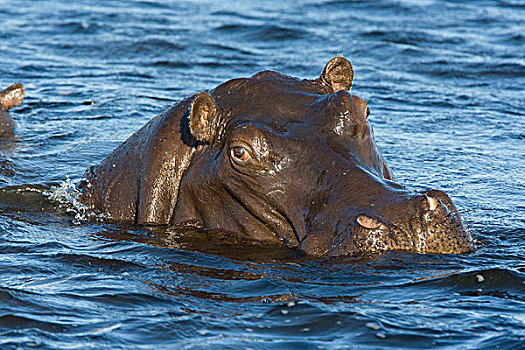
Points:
x=279 y=160
x=9 y=98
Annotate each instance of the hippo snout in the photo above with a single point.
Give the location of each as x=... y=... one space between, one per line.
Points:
x=428 y=223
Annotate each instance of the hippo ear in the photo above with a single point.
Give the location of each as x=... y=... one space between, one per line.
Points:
x=12 y=96
x=338 y=74
x=203 y=117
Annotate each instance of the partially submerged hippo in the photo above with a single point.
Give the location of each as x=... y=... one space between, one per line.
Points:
x=9 y=98
x=279 y=160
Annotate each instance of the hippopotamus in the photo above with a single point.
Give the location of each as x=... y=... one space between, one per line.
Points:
x=9 y=98
x=278 y=160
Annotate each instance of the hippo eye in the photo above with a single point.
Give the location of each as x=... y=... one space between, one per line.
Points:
x=240 y=154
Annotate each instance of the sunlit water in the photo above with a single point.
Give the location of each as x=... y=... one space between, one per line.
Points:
x=444 y=81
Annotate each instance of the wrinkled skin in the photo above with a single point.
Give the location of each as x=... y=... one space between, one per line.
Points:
x=9 y=98
x=279 y=160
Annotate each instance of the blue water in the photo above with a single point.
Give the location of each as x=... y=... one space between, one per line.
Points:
x=445 y=83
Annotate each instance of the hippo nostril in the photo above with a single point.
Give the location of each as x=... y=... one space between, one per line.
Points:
x=368 y=222
x=432 y=203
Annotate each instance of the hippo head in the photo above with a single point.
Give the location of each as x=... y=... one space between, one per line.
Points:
x=279 y=159
x=9 y=98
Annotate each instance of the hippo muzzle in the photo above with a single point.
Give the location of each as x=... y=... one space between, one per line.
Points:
x=278 y=160
x=354 y=211
x=424 y=224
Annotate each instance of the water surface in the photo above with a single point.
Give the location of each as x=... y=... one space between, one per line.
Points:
x=444 y=81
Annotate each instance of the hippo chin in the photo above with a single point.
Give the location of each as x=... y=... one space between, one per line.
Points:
x=279 y=160
x=9 y=98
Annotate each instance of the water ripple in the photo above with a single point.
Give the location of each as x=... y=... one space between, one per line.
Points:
x=444 y=81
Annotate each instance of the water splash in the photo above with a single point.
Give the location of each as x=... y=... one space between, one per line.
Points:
x=67 y=196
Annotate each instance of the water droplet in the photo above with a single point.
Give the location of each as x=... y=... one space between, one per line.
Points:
x=480 y=278
x=373 y=326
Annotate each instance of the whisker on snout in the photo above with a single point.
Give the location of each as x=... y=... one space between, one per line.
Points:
x=274 y=192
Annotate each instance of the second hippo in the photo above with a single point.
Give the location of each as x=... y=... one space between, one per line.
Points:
x=9 y=98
